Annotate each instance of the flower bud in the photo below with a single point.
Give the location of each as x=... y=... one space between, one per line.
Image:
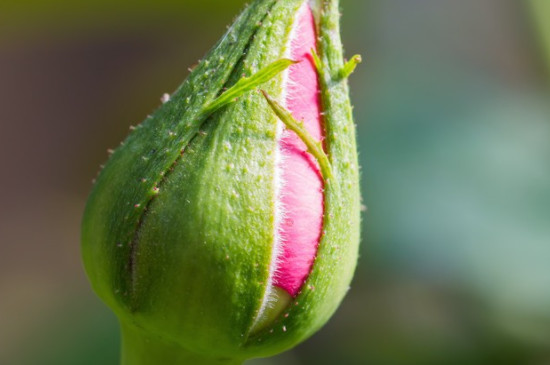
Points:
x=227 y=224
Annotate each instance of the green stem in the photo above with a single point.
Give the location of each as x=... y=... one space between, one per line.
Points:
x=142 y=348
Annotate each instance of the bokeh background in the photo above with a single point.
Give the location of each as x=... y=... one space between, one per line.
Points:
x=453 y=114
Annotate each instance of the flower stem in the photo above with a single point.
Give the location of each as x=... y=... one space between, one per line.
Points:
x=141 y=348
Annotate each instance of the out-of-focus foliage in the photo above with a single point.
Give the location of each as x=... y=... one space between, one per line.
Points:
x=64 y=16
x=454 y=135
x=541 y=14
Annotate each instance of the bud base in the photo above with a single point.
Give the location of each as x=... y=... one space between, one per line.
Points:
x=143 y=348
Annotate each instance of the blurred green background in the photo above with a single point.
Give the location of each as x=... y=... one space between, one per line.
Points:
x=453 y=113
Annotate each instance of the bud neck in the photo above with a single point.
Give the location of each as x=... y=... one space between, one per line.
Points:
x=140 y=348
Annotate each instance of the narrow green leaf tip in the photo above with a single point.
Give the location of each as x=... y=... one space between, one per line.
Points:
x=249 y=83
x=314 y=147
x=316 y=60
x=350 y=66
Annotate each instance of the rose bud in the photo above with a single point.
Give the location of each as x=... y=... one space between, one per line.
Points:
x=226 y=226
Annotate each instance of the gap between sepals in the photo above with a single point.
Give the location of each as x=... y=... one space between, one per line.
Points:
x=314 y=147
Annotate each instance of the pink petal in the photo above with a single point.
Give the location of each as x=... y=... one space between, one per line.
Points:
x=301 y=193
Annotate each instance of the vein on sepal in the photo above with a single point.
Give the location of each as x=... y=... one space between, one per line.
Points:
x=314 y=147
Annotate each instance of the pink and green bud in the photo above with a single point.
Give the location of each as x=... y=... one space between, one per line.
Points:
x=226 y=226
